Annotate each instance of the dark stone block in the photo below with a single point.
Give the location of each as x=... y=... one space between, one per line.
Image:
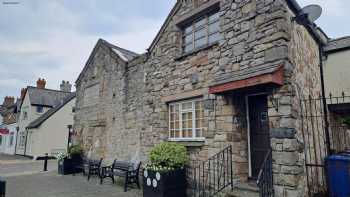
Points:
x=282 y=133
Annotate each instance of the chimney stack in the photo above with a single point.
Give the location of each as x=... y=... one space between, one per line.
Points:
x=41 y=83
x=23 y=92
x=8 y=101
x=66 y=86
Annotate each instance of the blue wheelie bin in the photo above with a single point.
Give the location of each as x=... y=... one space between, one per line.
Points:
x=338 y=175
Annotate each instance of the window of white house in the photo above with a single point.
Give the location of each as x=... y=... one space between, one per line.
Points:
x=22 y=139
x=39 y=109
x=11 y=139
x=25 y=115
x=0 y=140
x=201 y=32
x=186 y=120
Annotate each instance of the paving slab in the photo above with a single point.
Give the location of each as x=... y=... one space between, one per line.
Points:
x=51 y=184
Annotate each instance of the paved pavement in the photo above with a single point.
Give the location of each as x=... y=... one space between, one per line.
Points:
x=53 y=185
x=25 y=179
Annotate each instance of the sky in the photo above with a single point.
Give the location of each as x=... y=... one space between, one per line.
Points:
x=53 y=39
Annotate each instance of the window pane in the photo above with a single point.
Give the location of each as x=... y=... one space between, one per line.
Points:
x=188 y=29
x=188 y=48
x=199 y=133
x=200 y=23
x=177 y=133
x=172 y=134
x=188 y=39
x=214 y=37
x=187 y=106
x=200 y=42
x=214 y=17
x=200 y=33
x=214 y=27
x=177 y=125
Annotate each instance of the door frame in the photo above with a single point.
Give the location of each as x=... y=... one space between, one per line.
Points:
x=248 y=128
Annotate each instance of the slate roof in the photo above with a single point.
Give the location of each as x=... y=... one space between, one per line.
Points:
x=45 y=97
x=338 y=44
x=36 y=123
x=124 y=54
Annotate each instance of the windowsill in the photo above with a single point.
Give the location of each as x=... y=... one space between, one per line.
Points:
x=195 y=142
x=196 y=51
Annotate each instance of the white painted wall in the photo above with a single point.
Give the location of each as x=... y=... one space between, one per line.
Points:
x=337 y=73
x=10 y=148
x=23 y=123
x=52 y=135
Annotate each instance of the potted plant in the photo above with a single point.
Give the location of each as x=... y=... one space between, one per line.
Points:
x=165 y=175
x=64 y=164
x=346 y=121
x=67 y=162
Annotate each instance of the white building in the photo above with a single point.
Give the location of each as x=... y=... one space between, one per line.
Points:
x=43 y=117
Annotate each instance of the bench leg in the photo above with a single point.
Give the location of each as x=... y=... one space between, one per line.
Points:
x=126 y=183
x=137 y=182
x=88 y=177
x=112 y=177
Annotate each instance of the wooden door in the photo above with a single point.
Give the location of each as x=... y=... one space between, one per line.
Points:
x=259 y=132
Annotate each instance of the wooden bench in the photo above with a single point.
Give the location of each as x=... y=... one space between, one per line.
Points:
x=128 y=170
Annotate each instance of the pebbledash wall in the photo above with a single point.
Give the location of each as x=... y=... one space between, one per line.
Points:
x=126 y=104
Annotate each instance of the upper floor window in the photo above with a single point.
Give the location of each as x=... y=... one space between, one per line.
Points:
x=201 y=32
x=25 y=115
x=40 y=109
x=186 y=119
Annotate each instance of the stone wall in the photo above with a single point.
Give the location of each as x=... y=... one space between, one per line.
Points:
x=132 y=113
x=302 y=81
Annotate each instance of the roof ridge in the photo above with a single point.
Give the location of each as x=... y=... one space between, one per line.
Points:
x=47 y=89
x=117 y=47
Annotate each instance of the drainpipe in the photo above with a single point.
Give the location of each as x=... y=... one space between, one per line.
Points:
x=324 y=100
x=25 y=144
x=17 y=129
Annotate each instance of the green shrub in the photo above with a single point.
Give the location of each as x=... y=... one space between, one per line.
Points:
x=168 y=156
x=346 y=121
x=75 y=150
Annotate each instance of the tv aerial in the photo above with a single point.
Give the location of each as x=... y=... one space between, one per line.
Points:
x=308 y=14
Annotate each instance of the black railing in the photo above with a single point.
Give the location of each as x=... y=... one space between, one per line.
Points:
x=210 y=177
x=265 y=177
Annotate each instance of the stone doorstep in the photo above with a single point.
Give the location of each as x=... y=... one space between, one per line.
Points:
x=244 y=190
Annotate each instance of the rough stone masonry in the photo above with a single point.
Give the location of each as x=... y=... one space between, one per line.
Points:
x=123 y=106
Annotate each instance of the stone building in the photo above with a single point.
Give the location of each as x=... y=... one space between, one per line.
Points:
x=218 y=73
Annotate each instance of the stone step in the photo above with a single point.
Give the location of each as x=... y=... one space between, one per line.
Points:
x=244 y=190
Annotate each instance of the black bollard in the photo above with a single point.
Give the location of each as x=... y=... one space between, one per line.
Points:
x=2 y=188
x=45 y=161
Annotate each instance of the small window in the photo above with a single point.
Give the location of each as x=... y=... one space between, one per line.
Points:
x=25 y=115
x=11 y=139
x=40 y=109
x=186 y=120
x=201 y=32
x=0 y=140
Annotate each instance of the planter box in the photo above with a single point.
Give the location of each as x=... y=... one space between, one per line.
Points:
x=65 y=166
x=164 y=184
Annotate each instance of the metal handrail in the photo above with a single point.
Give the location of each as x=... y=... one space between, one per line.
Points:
x=265 y=177
x=212 y=176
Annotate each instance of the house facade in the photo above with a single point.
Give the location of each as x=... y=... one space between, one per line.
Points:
x=8 y=126
x=36 y=102
x=49 y=133
x=219 y=73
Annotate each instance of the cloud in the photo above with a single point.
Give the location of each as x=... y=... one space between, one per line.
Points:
x=53 y=39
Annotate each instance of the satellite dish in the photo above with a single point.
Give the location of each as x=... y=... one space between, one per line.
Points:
x=310 y=13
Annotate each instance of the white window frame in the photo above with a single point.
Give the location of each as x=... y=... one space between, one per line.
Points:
x=193 y=110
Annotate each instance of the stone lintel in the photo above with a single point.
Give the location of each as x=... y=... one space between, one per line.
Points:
x=275 y=78
x=185 y=95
